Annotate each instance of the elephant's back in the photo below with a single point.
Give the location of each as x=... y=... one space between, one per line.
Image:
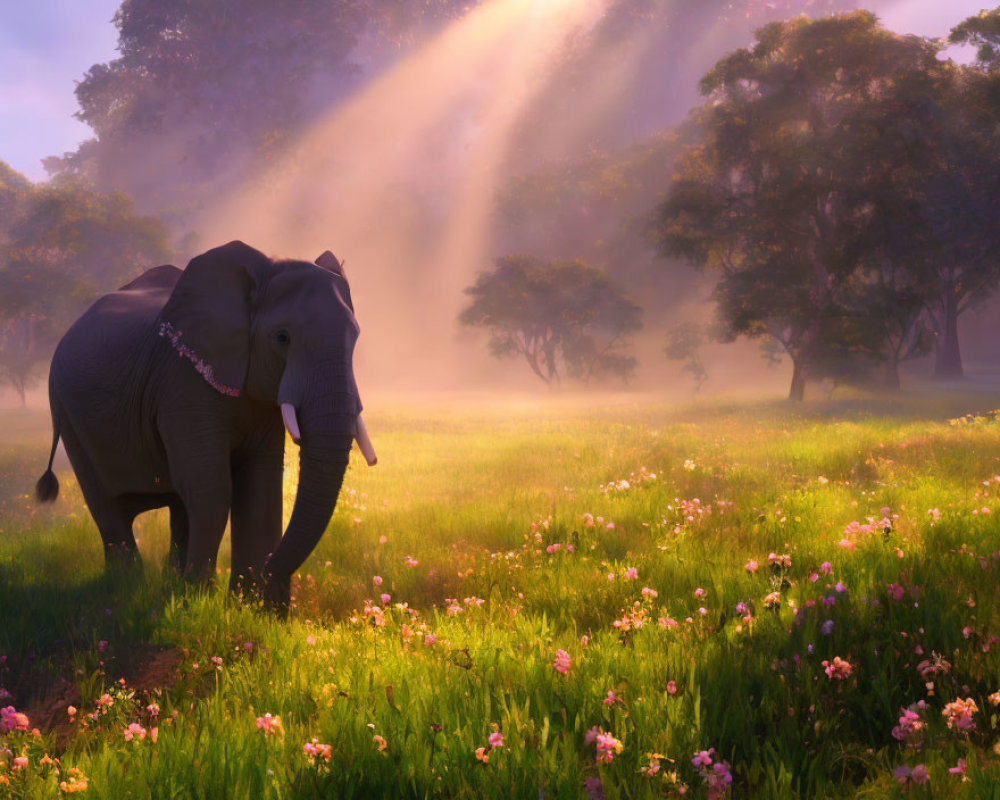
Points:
x=112 y=336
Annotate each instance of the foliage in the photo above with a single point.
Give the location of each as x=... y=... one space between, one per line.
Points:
x=559 y=315
x=872 y=532
x=983 y=33
x=201 y=89
x=684 y=343
x=60 y=246
x=833 y=157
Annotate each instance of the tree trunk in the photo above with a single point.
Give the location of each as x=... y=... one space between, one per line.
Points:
x=947 y=355
x=890 y=375
x=797 y=392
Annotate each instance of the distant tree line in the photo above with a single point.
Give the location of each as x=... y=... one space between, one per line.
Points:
x=841 y=185
x=845 y=188
x=202 y=91
x=61 y=245
x=836 y=190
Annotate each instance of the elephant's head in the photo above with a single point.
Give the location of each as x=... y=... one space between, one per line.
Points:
x=282 y=333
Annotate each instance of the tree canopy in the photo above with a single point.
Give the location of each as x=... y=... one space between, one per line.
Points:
x=61 y=245
x=201 y=89
x=823 y=189
x=561 y=316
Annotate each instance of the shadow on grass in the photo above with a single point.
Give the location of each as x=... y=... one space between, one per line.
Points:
x=55 y=634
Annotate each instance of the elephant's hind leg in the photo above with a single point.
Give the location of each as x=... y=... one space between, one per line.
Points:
x=112 y=515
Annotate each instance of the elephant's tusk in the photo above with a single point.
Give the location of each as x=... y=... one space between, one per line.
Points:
x=291 y=423
x=361 y=434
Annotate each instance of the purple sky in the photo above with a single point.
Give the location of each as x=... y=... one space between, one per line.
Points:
x=47 y=45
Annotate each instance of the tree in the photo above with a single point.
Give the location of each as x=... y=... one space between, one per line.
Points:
x=201 y=90
x=982 y=32
x=683 y=343
x=61 y=245
x=933 y=194
x=770 y=197
x=560 y=315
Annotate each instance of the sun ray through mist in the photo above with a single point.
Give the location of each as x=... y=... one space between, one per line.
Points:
x=401 y=180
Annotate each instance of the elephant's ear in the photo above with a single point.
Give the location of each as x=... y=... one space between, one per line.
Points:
x=207 y=318
x=331 y=264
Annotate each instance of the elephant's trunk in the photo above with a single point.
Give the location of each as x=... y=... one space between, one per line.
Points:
x=323 y=457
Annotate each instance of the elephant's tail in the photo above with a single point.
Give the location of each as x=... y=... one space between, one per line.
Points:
x=47 y=488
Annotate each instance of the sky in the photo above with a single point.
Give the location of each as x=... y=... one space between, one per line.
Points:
x=48 y=45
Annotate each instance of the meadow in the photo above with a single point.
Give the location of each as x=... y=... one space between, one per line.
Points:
x=542 y=599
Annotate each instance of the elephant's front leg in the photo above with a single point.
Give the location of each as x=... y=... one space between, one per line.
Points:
x=256 y=516
x=198 y=455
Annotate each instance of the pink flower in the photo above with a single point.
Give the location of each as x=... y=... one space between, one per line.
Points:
x=826 y=568
x=895 y=591
x=385 y=598
x=269 y=724
x=838 y=669
x=20 y=762
x=649 y=594
x=411 y=561
x=699 y=592
x=152 y=709
x=607 y=748
x=611 y=698
x=377 y=580
x=751 y=566
x=316 y=749
x=631 y=574
x=134 y=731
x=919 y=775
x=959 y=714
x=562 y=662
x=671 y=687
x=496 y=740
x=13 y=720
x=959 y=768
x=910 y=724
x=703 y=758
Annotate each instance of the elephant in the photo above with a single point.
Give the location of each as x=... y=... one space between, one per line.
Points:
x=176 y=391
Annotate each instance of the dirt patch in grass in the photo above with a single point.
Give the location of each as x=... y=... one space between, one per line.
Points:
x=146 y=668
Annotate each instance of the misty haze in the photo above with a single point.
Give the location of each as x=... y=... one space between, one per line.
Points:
x=499 y=398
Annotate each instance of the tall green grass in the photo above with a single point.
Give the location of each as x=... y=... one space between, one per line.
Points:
x=495 y=504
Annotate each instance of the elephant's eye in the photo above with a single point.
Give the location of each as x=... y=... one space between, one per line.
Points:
x=281 y=337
